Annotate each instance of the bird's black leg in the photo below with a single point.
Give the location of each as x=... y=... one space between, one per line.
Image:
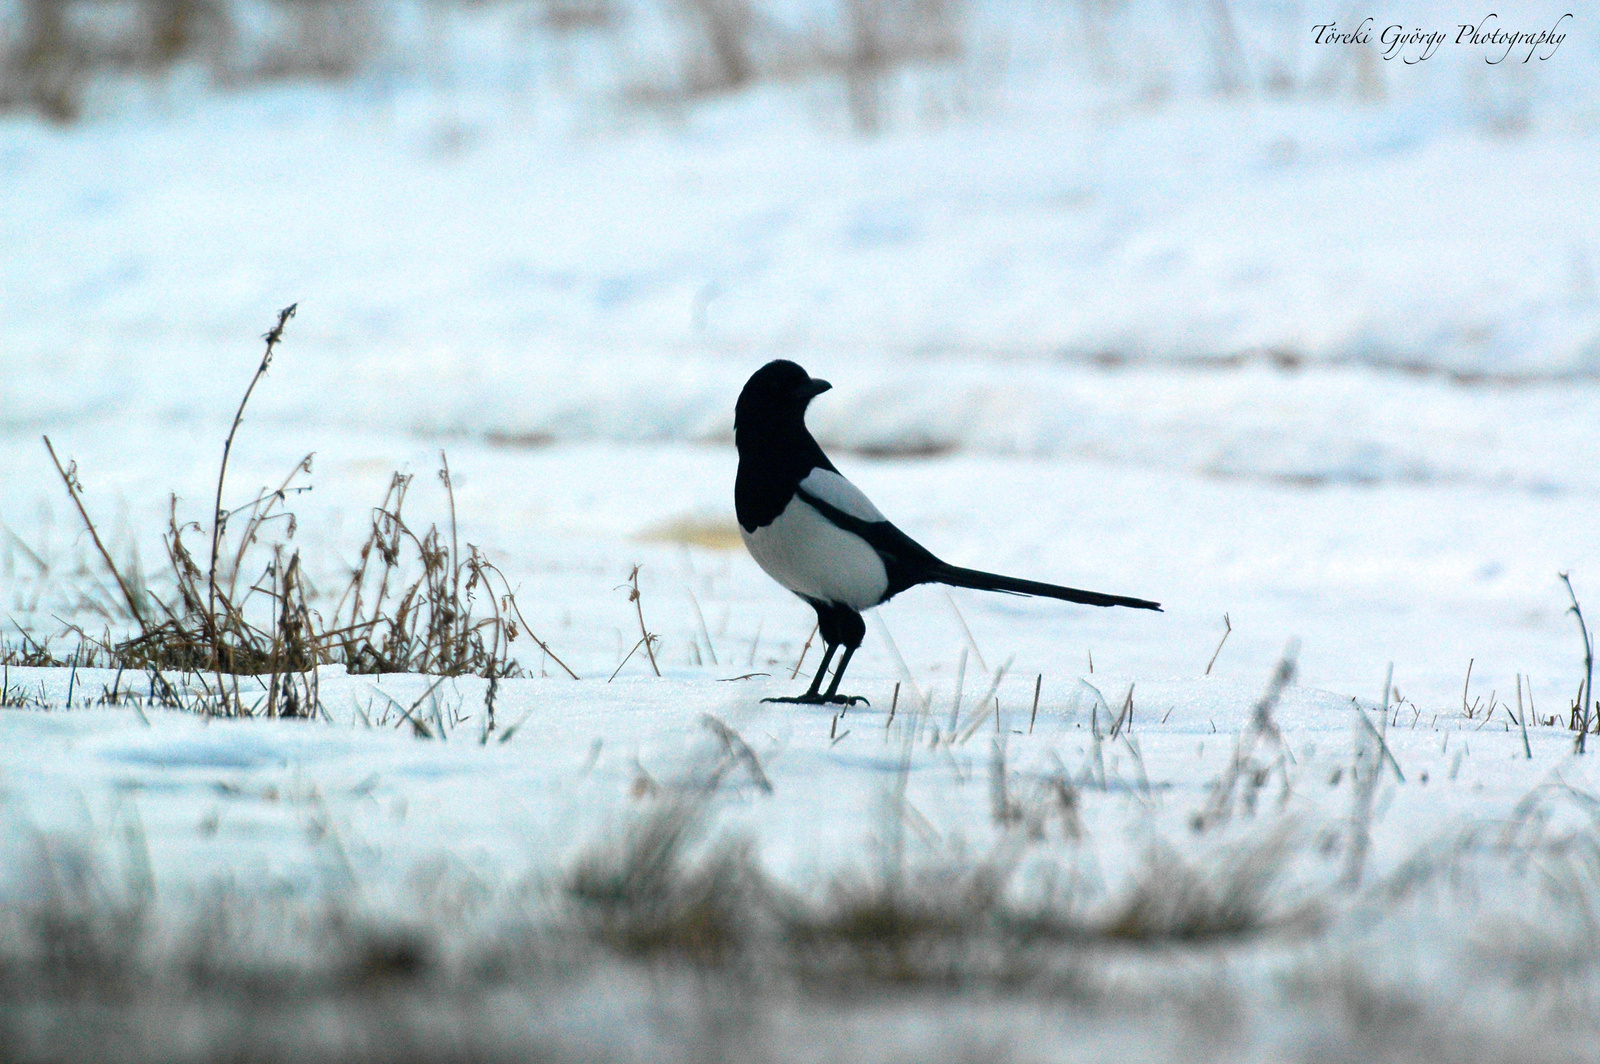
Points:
x=833 y=694
x=811 y=697
x=840 y=626
x=822 y=670
x=847 y=628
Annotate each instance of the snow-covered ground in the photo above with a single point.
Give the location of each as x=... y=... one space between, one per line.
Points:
x=1328 y=367
x=1332 y=890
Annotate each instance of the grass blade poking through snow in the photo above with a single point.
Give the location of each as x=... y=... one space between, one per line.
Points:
x=1586 y=689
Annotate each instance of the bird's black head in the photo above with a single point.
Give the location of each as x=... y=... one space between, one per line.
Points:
x=775 y=398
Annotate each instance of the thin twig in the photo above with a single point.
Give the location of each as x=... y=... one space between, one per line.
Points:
x=529 y=631
x=1124 y=715
x=646 y=638
x=260 y=511
x=455 y=549
x=1228 y=630
x=804 y=650
x=73 y=679
x=69 y=478
x=217 y=516
x=624 y=661
x=1586 y=691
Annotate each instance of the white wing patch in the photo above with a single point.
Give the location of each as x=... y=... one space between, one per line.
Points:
x=815 y=558
x=839 y=493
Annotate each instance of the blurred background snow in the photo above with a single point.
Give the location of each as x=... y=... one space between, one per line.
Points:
x=1339 y=314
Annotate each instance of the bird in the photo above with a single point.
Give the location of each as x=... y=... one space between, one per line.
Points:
x=819 y=535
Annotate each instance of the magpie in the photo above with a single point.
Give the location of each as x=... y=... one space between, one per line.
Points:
x=815 y=533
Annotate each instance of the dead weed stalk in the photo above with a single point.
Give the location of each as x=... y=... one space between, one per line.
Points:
x=415 y=602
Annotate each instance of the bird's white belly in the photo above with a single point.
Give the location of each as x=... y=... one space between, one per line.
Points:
x=815 y=558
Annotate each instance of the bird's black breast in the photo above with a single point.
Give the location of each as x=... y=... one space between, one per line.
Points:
x=771 y=467
x=763 y=487
x=758 y=499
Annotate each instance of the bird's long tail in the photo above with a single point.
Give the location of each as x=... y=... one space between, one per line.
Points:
x=958 y=577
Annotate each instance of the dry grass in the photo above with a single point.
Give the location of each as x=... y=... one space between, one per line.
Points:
x=1237 y=893
x=667 y=902
x=418 y=602
x=58 y=50
x=940 y=925
x=648 y=893
x=892 y=60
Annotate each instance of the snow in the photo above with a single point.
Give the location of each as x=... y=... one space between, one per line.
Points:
x=581 y=748
x=334 y=809
x=1330 y=368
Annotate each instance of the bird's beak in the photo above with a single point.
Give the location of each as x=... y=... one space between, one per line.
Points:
x=816 y=387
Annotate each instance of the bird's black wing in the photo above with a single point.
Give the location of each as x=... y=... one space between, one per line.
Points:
x=909 y=563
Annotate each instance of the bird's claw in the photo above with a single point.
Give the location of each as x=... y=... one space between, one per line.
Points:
x=822 y=700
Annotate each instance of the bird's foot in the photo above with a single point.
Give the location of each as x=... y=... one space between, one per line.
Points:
x=822 y=700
